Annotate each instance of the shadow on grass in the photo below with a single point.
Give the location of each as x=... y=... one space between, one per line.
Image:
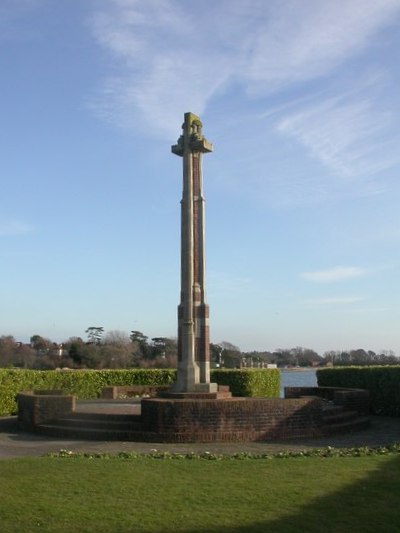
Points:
x=368 y=506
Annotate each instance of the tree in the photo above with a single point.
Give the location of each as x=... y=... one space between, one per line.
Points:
x=24 y=356
x=163 y=346
x=231 y=355
x=137 y=336
x=305 y=356
x=41 y=344
x=331 y=357
x=116 y=350
x=263 y=358
x=7 y=350
x=82 y=354
x=140 y=344
x=216 y=354
x=94 y=334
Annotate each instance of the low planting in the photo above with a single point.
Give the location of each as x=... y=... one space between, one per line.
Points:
x=87 y=384
x=146 y=495
x=383 y=384
x=327 y=452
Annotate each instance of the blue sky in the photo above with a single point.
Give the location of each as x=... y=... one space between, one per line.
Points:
x=301 y=101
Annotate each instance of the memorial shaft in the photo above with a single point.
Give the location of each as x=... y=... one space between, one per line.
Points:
x=193 y=312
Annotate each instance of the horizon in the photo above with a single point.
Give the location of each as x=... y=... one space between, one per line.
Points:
x=302 y=106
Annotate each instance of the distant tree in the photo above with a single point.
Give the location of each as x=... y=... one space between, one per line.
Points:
x=94 y=334
x=74 y=349
x=359 y=357
x=82 y=354
x=140 y=345
x=162 y=347
x=258 y=358
x=116 y=350
x=25 y=356
x=306 y=356
x=231 y=355
x=41 y=344
x=285 y=357
x=387 y=357
x=216 y=354
x=8 y=347
x=331 y=357
x=137 y=336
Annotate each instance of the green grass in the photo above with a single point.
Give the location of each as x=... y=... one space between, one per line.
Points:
x=306 y=494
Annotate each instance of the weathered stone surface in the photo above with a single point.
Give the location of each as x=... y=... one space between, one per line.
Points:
x=193 y=312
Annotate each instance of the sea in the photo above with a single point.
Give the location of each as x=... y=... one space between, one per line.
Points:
x=294 y=377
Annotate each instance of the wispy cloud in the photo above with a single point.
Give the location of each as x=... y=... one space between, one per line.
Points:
x=14 y=227
x=296 y=41
x=335 y=300
x=168 y=63
x=168 y=58
x=334 y=274
x=346 y=133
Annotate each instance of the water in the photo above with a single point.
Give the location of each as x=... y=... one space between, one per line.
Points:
x=298 y=378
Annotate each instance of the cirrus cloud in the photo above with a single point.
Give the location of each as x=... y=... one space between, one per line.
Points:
x=335 y=300
x=14 y=227
x=333 y=275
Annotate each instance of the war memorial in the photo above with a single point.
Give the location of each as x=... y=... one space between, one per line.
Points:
x=194 y=409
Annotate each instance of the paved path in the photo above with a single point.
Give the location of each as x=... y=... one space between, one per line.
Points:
x=15 y=443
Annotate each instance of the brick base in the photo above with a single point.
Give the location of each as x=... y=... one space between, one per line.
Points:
x=232 y=419
x=36 y=407
x=308 y=412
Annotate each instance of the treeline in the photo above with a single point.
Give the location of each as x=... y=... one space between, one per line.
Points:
x=117 y=349
x=303 y=357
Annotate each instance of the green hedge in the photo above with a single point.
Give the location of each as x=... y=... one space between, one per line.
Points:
x=382 y=382
x=250 y=381
x=87 y=384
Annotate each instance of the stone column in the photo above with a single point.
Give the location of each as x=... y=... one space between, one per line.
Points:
x=193 y=314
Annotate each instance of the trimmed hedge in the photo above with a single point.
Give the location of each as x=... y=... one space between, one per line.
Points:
x=250 y=382
x=382 y=382
x=87 y=384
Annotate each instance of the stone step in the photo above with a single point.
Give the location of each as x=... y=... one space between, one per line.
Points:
x=362 y=422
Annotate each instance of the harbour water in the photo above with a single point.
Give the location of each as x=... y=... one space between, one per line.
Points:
x=298 y=378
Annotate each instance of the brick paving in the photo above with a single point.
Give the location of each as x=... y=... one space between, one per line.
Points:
x=15 y=443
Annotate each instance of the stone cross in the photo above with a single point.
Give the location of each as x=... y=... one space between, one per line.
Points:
x=193 y=374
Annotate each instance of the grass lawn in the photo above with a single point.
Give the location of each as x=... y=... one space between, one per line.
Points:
x=305 y=494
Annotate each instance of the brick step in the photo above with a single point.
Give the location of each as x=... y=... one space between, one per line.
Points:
x=81 y=433
x=339 y=417
x=362 y=422
x=109 y=423
x=331 y=408
x=113 y=417
x=219 y=395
